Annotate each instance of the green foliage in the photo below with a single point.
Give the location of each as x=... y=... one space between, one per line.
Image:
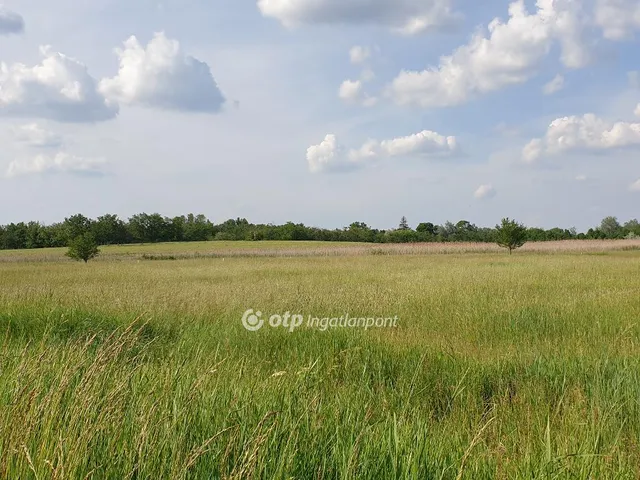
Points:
x=155 y=228
x=110 y=230
x=611 y=227
x=510 y=234
x=427 y=228
x=404 y=224
x=76 y=226
x=83 y=247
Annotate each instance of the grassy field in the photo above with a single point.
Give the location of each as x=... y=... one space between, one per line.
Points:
x=137 y=365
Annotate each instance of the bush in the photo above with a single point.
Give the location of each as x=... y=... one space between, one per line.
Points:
x=83 y=247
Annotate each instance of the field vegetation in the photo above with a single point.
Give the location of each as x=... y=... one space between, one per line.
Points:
x=137 y=365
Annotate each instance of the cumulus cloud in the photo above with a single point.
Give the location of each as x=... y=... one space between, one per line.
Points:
x=635 y=186
x=511 y=54
x=59 y=163
x=328 y=155
x=485 y=192
x=331 y=156
x=352 y=91
x=408 y=17
x=555 y=85
x=587 y=133
x=359 y=55
x=618 y=18
x=10 y=22
x=426 y=143
x=60 y=88
x=36 y=136
x=162 y=76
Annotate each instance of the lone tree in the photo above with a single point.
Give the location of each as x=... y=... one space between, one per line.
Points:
x=404 y=224
x=511 y=234
x=83 y=247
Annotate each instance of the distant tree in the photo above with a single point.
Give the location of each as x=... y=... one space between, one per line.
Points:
x=197 y=228
x=83 y=247
x=109 y=230
x=359 y=232
x=176 y=228
x=15 y=236
x=465 y=231
x=400 y=236
x=404 y=224
x=150 y=228
x=447 y=231
x=510 y=234
x=75 y=226
x=632 y=227
x=427 y=228
x=36 y=235
x=611 y=227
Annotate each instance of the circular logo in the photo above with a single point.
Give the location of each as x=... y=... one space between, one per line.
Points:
x=252 y=321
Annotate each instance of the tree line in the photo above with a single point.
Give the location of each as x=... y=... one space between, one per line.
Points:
x=154 y=228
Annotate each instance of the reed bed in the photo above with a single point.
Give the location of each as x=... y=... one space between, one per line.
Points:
x=182 y=251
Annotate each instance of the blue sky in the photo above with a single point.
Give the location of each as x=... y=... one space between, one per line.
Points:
x=240 y=109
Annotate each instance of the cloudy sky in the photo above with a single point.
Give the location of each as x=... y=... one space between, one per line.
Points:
x=321 y=111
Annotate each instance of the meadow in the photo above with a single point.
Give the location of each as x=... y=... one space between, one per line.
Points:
x=137 y=365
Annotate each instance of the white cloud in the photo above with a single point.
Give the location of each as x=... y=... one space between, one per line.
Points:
x=162 y=76
x=637 y=111
x=330 y=156
x=511 y=54
x=10 y=22
x=359 y=55
x=635 y=186
x=587 y=133
x=581 y=178
x=425 y=143
x=60 y=163
x=36 y=136
x=60 y=88
x=484 y=192
x=532 y=150
x=617 y=18
x=350 y=90
x=555 y=85
x=408 y=17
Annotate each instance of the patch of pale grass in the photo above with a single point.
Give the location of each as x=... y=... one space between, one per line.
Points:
x=182 y=251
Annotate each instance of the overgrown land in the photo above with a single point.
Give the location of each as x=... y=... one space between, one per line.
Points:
x=521 y=366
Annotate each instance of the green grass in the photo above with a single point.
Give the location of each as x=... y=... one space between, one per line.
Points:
x=502 y=367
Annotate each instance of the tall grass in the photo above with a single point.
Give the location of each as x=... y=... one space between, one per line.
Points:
x=279 y=249
x=502 y=367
